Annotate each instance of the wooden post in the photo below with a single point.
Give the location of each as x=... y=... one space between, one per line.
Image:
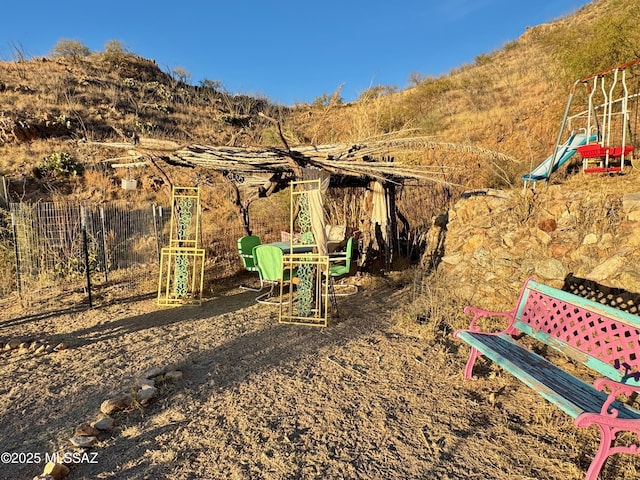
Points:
x=104 y=246
x=393 y=244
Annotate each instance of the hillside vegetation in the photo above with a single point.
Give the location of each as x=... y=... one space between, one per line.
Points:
x=379 y=392
x=509 y=100
x=64 y=118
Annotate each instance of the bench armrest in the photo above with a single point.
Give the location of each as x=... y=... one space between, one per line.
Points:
x=479 y=313
x=615 y=389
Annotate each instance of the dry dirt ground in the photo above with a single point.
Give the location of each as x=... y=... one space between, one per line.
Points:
x=372 y=396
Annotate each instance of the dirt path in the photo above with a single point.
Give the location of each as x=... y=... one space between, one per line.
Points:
x=363 y=398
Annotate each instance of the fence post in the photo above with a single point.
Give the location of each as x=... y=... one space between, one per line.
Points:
x=83 y=221
x=17 y=254
x=5 y=192
x=104 y=246
x=156 y=230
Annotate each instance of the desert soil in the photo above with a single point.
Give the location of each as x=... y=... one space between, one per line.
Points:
x=372 y=396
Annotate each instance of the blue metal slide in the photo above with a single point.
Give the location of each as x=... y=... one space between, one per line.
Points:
x=564 y=153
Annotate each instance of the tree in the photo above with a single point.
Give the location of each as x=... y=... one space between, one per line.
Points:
x=70 y=49
x=181 y=74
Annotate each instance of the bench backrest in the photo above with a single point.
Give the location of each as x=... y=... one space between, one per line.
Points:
x=601 y=337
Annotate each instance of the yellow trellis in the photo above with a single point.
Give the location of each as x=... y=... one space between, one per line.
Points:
x=181 y=276
x=304 y=297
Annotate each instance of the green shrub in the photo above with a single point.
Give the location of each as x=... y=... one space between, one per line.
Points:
x=59 y=165
x=589 y=47
x=70 y=49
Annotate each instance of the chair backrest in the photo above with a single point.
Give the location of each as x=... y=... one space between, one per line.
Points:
x=269 y=261
x=349 y=251
x=338 y=270
x=245 y=249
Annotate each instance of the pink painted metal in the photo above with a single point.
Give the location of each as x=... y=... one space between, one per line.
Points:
x=610 y=425
x=609 y=340
x=479 y=313
x=581 y=326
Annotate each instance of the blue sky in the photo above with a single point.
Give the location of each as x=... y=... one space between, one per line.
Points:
x=288 y=51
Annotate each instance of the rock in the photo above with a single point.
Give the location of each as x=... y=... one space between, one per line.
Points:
x=507 y=240
x=41 y=349
x=83 y=442
x=145 y=382
x=473 y=243
x=559 y=250
x=104 y=423
x=49 y=348
x=146 y=393
x=630 y=281
x=12 y=344
x=152 y=372
x=57 y=471
x=116 y=404
x=173 y=376
x=632 y=239
x=543 y=236
x=86 y=430
x=607 y=269
x=590 y=239
x=631 y=202
x=60 y=346
x=452 y=259
x=550 y=269
x=634 y=216
x=607 y=240
x=548 y=225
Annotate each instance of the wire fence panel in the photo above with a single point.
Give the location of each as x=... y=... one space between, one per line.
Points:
x=130 y=236
x=118 y=242
x=76 y=245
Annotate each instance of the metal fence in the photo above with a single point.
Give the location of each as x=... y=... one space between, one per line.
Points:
x=82 y=248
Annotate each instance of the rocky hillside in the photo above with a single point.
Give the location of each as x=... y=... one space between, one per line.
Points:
x=584 y=234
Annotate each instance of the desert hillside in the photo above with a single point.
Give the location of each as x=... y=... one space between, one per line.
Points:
x=222 y=390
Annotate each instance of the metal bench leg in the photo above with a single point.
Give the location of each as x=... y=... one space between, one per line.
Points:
x=251 y=289
x=604 y=450
x=609 y=426
x=473 y=356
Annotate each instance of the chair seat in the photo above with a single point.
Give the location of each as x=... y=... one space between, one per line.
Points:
x=340 y=266
x=268 y=259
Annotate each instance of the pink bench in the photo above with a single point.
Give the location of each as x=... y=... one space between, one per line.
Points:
x=600 y=337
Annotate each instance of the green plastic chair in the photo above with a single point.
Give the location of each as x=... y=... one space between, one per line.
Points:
x=245 y=249
x=268 y=259
x=340 y=266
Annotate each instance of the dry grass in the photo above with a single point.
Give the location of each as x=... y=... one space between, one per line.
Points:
x=375 y=395
x=379 y=393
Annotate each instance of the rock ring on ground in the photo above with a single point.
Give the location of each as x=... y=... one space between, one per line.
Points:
x=115 y=404
x=104 y=423
x=83 y=442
